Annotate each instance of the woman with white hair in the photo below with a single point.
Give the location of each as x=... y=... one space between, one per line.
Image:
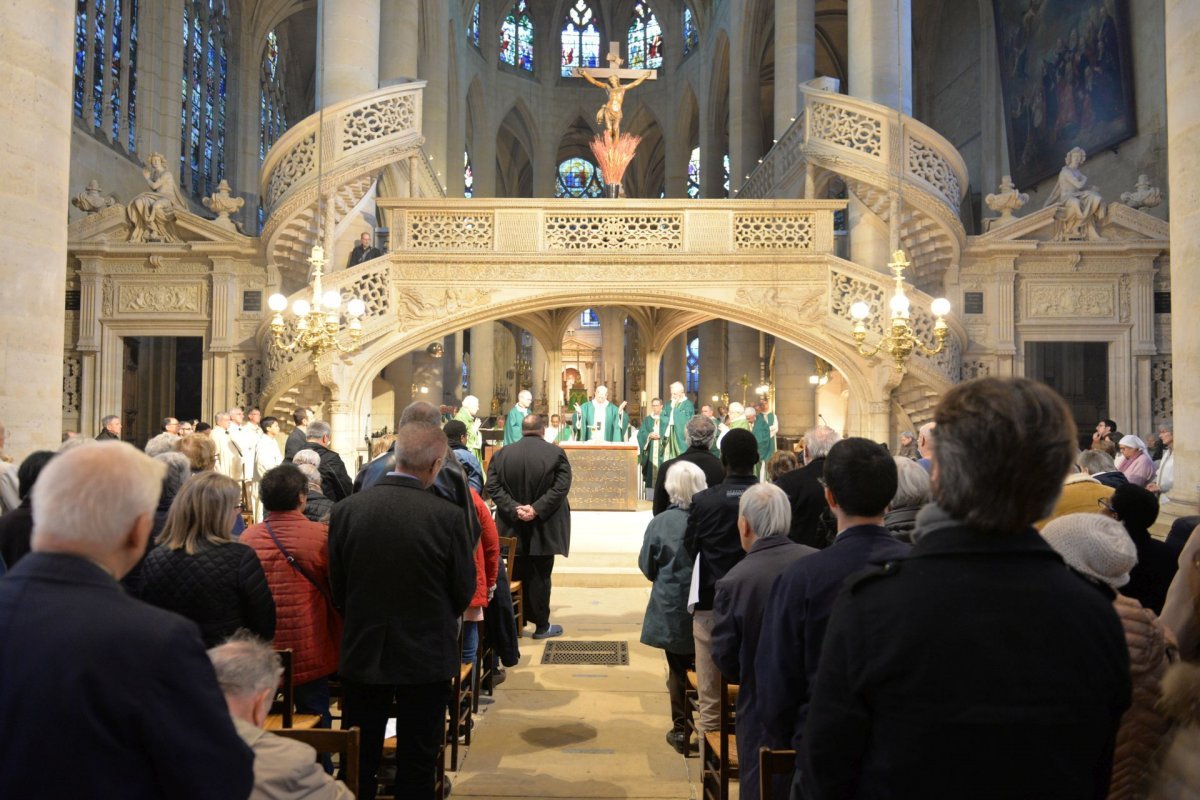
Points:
x=913 y=491
x=1135 y=463
x=667 y=624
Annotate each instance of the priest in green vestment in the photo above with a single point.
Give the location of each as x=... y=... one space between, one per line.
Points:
x=516 y=415
x=650 y=449
x=673 y=425
x=598 y=419
x=467 y=416
x=766 y=428
x=737 y=417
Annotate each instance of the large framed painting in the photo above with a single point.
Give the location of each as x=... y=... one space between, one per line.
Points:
x=1066 y=74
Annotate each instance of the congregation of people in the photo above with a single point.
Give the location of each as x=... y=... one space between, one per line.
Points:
x=926 y=623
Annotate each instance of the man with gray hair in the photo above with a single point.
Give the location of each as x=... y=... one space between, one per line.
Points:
x=402 y=570
x=1100 y=465
x=812 y=523
x=764 y=519
x=701 y=431
x=123 y=686
x=335 y=481
x=925 y=445
x=110 y=428
x=248 y=673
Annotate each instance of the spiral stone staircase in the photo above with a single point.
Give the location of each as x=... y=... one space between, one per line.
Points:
x=902 y=170
x=359 y=138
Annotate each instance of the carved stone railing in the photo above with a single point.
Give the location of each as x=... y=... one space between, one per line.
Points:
x=597 y=226
x=878 y=151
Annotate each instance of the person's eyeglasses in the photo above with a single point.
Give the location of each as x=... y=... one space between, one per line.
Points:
x=1107 y=506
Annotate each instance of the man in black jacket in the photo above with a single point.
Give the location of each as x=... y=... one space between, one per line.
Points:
x=812 y=522
x=529 y=481
x=712 y=534
x=402 y=570
x=979 y=665
x=700 y=433
x=335 y=481
x=298 y=438
x=363 y=251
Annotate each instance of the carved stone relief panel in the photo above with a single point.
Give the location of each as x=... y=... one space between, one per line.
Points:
x=160 y=298
x=1058 y=300
x=72 y=385
x=1161 y=409
x=419 y=305
x=248 y=381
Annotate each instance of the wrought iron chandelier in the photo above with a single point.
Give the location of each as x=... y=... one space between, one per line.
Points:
x=900 y=339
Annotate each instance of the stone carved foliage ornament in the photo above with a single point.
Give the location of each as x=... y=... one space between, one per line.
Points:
x=248 y=381
x=1006 y=201
x=1070 y=300
x=72 y=385
x=292 y=167
x=773 y=231
x=441 y=230
x=223 y=203
x=796 y=304
x=850 y=129
x=929 y=165
x=418 y=305
x=1161 y=401
x=1143 y=195
x=158 y=298
x=382 y=118
x=613 y=232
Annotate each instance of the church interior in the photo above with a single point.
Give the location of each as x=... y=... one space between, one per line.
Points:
x=841 y=208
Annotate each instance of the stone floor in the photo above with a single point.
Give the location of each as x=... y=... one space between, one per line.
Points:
x=584 y=731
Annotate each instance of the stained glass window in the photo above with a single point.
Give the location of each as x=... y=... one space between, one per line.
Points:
x=693 y=365
x=473 y=27
x=273 y=121
x=205 y=75
x=468 y=176
x=578 y=177
x=725 y=168
x=691 y=34
x=588 y=319
x=580 y=38
x=516 y=37
x=105 y=69
x=693 y=184
x=645 y=38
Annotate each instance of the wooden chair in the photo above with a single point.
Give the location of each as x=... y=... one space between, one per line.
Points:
x=508 y=551
x=485 y=661
x=691 y=698
x=719 y=749
x=773 y=764
x=389 y=756
x=283 y=710
x=343 y=743
x=462 y=692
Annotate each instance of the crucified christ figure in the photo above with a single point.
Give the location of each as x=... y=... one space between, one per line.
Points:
x=609 y=114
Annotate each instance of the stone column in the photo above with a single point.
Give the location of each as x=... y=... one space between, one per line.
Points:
x=654 y=384
x=483 y=368
x=879 y=40
x=1183 y=128
x=455 y=392
x=795 y=56
x=435 y=66
x=674 y=364
x=348 y=50
x=541 y=376
x=35 y=68
x=399 y=40
x=713 y=366
x=612 y=339
x=345 y=434
x=745 y=112
x=399 y=374
x=795 y=397
x=743 y=360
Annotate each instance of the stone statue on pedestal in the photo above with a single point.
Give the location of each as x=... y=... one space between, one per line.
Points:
x=93 y=199
x=1144 y=195
x=222 y=203
x=1080 y=206
x=152 y=214
x=1006 y=201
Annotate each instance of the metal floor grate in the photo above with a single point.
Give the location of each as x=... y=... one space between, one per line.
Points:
x=587 y=652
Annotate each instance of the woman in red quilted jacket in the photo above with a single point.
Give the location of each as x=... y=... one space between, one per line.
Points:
x=487 y=561
x=305 y=620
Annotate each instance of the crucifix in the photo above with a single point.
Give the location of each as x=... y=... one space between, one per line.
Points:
x=609 y=114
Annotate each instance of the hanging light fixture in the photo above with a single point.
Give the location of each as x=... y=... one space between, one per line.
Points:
x=822 y=368
x=316 y=324
x=900 y=339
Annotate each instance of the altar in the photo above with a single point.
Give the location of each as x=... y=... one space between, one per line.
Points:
x=604 y=477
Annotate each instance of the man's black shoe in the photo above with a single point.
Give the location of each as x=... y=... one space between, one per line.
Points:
x=679 y=741
x=548 y=631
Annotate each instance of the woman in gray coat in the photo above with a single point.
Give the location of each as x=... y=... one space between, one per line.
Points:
x=663 y=560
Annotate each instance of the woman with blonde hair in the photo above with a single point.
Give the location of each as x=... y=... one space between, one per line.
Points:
x=199 y=571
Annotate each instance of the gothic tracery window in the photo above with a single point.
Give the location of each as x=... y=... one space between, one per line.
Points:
x=693 y=365
x=468 y=176
x=645 y=38
x=473 y=27
x=578 y=177
x=725 y=168
x=105 y=69
x=691 y=34
x=205 y=74
x=693 y=174
x=272 y=97
x=580 y=38
x=516 y=37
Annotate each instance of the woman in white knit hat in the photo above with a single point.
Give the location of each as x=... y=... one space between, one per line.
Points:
x=1099 y=548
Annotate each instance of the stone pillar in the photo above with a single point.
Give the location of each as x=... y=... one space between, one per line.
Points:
x=399 y=374
x=348 y=50
x=713 y=365
x=870 y=236
x=1183 y=128
x=674 y=364
x=795 y=397
x=654 y=384
x=35 y=68
x=483 y=368
x=612 y=339
x=434 y=66
x=743 y=360
x=745 y=112
x=399 y=39
x=542 y=385
x=879 y=40
x=345 y=434
x=795 y=56
x=455 y=392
